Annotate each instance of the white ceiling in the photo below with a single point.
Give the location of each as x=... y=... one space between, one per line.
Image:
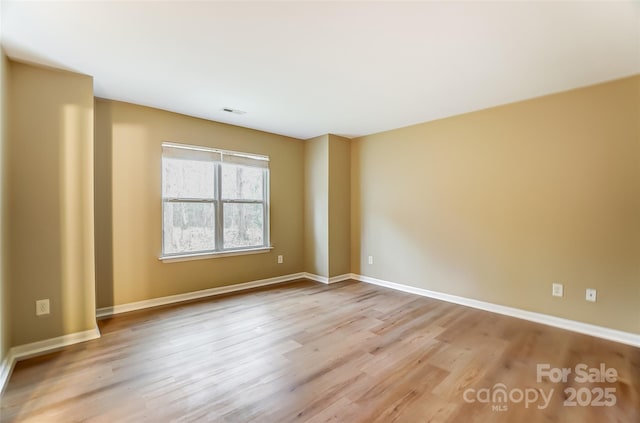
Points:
x=309 y=68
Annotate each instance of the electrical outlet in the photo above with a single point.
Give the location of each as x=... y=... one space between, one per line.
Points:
x=557 y=290
x=370 y=259
x=280 y=259
x=591 y=295
x=42 y=307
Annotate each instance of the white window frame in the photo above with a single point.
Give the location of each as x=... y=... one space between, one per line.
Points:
x=218 y=202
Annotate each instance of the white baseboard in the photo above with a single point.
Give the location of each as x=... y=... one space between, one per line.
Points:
x=36 y=348
x=324 y=279
x=6 y=367
x=545 y=319
x=25 y=351
x=317 y=278
x=340 y=278
x=103 y=312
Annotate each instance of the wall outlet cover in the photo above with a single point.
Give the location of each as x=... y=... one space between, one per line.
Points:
x=557 y=290
x=42 y=307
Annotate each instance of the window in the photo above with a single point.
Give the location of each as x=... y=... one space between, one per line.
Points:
x=213 y=201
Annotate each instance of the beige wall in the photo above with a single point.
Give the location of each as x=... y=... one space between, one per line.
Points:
x=4 y=224
x=498 y=204
x=327 y=206
x=339 y=206
x=316 y=205
x=128 y=201
x=50 y=202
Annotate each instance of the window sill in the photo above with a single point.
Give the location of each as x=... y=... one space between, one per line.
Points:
x=209 y=255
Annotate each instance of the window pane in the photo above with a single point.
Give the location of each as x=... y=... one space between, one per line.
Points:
x=243 y=225
x=241 y=182
x=187 y=178
x=188 y=227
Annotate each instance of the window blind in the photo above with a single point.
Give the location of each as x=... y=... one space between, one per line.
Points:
x=188 y=152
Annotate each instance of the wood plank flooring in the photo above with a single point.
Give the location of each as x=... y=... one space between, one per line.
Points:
x=307 y=352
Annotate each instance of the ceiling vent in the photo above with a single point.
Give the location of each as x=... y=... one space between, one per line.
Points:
x=234 y=111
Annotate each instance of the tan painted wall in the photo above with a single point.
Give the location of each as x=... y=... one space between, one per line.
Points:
x=128 y=201
x=498 y=204
x=327 y=206
x=5 y=339
x=316 y=205
x=50 y=202
x=339 y=206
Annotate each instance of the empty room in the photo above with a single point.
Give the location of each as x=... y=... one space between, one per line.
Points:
x=320 y=211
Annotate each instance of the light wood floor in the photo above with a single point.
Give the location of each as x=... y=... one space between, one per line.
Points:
x=348 y=352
